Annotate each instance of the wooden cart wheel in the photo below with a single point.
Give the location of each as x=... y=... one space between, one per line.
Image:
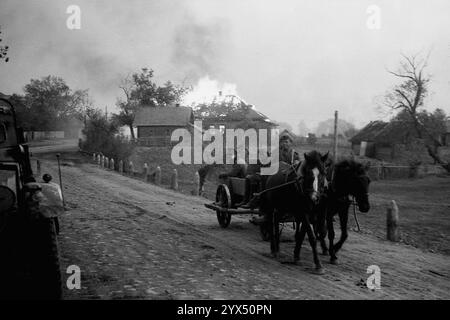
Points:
x=223 y=198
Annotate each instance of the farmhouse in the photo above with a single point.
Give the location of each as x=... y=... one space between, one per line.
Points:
x=387 y=141
x=363 y=143
x=156 y=124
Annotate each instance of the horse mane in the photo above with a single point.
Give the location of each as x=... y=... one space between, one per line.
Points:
x=312 y=159
x=349 y=165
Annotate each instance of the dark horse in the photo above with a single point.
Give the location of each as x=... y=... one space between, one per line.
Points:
x=348 y=178
x=294 y=191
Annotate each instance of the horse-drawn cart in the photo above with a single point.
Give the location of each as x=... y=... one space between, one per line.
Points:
x=229 y=195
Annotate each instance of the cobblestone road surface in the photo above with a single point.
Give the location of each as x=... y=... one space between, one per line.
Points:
x=135 y=240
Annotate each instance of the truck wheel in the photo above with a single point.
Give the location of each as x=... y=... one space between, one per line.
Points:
x=45 y=265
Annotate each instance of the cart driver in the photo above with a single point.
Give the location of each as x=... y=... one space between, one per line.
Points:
x=287 y=153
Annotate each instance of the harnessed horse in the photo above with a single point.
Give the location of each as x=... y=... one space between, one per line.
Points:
x=295 y=191
x=348 y=178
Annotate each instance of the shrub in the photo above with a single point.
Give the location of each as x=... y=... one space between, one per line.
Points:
x=102 y=135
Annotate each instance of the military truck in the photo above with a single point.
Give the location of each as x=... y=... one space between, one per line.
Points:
x=29 y=210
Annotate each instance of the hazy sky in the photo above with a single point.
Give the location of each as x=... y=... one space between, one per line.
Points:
x=294 y=60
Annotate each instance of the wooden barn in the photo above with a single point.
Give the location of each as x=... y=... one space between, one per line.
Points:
x=156 y=124
x=363 y=143
x=384 y=140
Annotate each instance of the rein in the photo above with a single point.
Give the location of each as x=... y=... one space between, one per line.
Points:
x=295 y=181
x=278 y=187
x=354 y=212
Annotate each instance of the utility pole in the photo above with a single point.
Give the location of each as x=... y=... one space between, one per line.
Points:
x=106 y=113
x=335 y=149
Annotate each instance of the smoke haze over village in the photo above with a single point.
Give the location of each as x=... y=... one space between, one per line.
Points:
x=293 y=60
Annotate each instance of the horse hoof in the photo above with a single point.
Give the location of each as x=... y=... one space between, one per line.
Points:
x=334 y=261
x=319 y=271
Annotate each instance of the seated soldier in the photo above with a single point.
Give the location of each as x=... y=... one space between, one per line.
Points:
x=287 y=153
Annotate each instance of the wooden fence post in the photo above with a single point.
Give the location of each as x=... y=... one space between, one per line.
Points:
x=106 y=163
x=103 y=161
x=196 y=191
x=146 y=172
x=174 y=181
x=120 y=166
x=392 y=222
x=158 y=175
x=131 y=167
x=94 y=157
x=99 y=159
x=111 y=164
x=38 y=167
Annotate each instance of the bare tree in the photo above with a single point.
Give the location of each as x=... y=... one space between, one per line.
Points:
x=408 y=97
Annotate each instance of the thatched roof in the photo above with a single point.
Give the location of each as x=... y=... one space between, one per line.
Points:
x=386 y=133
x=369 y=132
x=395 y=132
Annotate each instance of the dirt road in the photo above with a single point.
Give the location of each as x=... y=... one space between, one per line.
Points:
x=136 y=240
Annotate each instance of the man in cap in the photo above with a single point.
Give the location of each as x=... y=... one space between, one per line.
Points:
x=287 y=153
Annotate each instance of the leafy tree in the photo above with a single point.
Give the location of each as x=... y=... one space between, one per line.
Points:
x=102 y=135
x=407 y=99
x=25 y=118
x=3 y=50
x=141 y=91
x=52 y=103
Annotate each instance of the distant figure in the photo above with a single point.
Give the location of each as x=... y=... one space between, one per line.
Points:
x=202 y=174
